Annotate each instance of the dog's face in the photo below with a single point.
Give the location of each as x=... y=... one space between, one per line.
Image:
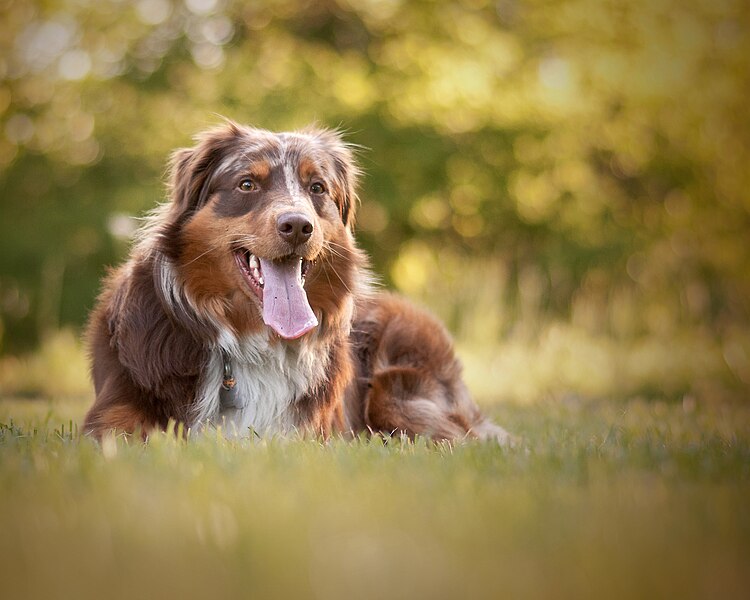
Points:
x=260 y=227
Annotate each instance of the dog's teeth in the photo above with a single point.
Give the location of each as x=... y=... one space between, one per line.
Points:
x=254 y=264
x=260 y=280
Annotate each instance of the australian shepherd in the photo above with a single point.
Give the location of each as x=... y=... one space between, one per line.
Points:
x=245 y=304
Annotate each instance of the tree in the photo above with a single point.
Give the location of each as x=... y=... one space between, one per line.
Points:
x=576 y=160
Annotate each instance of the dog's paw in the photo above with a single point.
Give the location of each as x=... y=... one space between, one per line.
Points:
x=486 y=430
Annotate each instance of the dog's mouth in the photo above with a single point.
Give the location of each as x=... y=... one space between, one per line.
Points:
x=280 y=285
x=251 y=267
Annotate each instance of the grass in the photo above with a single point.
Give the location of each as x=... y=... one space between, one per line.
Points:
x=602 y=500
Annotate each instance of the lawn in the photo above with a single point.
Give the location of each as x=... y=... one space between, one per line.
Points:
x=600 y=500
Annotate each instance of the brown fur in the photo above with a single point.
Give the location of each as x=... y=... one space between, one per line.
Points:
x=409 y=378
x=163 y=316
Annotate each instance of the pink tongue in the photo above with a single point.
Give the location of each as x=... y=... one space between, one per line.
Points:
x=285 y=306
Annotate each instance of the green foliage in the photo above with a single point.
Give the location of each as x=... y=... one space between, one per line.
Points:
x=58 y=369
x=574 y=161
x=612 y=500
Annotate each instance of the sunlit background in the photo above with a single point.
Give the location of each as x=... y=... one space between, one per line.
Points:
x=567 y=184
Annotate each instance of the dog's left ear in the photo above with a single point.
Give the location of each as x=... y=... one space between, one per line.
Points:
x=346 y=173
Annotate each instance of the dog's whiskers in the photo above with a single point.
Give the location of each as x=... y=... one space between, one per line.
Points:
x=329 y=245
x=217 y=245
x=332 y=243
x=336 y=273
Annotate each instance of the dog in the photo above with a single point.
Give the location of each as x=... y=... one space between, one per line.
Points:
x=246 y=304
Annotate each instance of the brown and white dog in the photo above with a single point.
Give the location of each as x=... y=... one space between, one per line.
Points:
x=249 y=275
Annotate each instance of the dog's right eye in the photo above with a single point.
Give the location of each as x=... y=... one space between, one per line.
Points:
x=247 y=185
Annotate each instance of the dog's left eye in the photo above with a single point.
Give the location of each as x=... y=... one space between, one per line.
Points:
x=247 y=185
x=317 y=188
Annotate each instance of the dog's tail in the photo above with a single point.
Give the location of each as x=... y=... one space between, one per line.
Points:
x=414 y=378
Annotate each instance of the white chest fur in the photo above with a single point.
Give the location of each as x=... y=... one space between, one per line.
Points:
x=271 y=376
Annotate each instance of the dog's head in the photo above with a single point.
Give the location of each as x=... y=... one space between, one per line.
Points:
x=259 y=227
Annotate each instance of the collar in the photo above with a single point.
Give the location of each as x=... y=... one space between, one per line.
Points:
x=228 y=396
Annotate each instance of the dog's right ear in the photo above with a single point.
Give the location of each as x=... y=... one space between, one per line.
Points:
x=191 y=169
x=180 y=176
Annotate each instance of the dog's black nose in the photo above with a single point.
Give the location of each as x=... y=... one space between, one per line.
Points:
x=295 y=228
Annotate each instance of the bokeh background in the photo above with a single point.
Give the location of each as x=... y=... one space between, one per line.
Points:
x=565 y=182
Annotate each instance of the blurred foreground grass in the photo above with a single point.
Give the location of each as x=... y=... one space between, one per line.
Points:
x=602 y=500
